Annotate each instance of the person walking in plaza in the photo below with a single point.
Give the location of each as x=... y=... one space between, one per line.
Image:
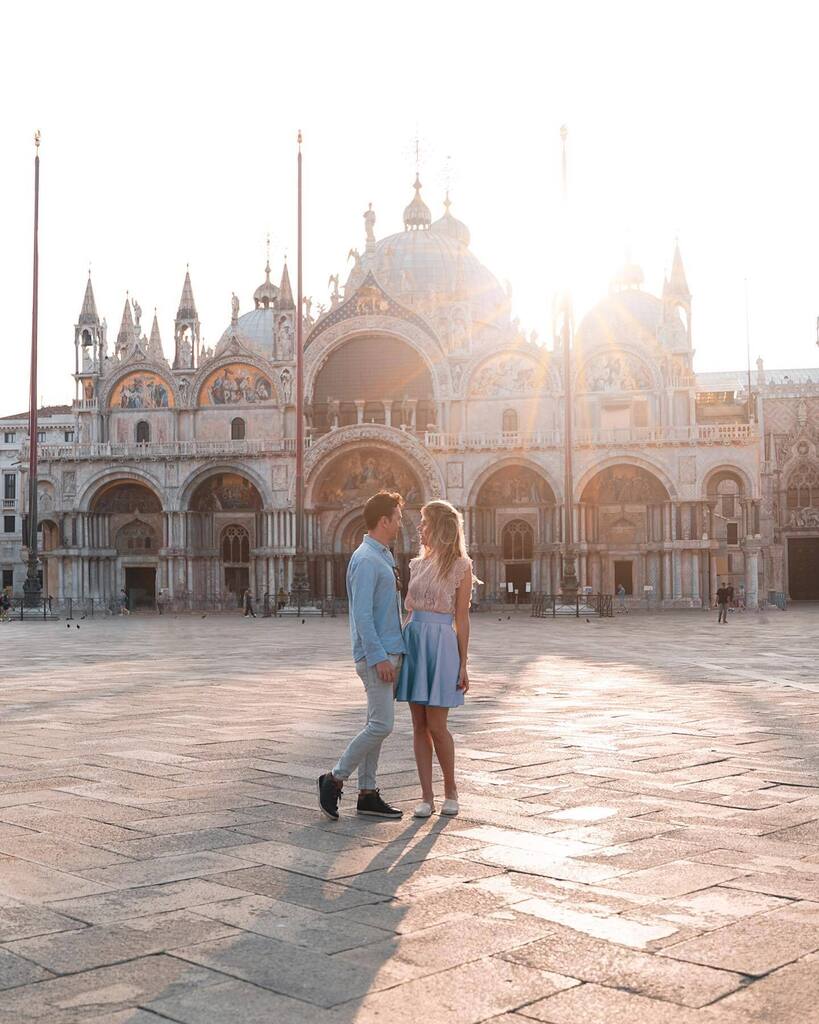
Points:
x=434 y=675
x=621 y=599
x=123 y=602
x=722 y=602
x=247 y=601
x=374 y=594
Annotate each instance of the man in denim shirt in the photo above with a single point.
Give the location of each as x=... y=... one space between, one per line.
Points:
x=374 y=593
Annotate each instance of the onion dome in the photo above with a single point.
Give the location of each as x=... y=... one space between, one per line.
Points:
x=265 y=295
x=417 y=216
x=451 y=226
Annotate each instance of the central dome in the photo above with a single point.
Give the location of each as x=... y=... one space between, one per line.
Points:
x=430 y=265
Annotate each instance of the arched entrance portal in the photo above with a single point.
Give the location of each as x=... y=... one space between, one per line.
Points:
x=621 y=515
x=223 y=531
x=514 y=533
x=126 y=515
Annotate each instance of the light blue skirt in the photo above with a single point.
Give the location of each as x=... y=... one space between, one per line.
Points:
x=432 y=664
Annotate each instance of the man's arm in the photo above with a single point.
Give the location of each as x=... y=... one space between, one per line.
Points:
x=362 y=597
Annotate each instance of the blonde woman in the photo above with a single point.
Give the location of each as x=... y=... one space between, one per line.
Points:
x=434 y=675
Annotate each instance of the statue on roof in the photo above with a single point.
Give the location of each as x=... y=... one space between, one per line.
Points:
x=369 y=222
x=234 y=307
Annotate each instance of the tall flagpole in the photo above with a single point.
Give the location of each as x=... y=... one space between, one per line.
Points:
x=568 y=582
x=32 y=588
x=748 y=347
x=301 y=584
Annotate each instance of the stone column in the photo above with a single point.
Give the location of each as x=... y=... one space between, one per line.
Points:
x=695 y=577
x=359 y=410
x=388 y=412
x=752 y=577
x=676 y=560
x=667 y=576
x=713 y=580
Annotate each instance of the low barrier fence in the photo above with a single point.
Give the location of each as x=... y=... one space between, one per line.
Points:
x=549 y=606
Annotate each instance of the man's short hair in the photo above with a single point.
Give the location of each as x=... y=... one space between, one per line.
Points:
x=382 y=504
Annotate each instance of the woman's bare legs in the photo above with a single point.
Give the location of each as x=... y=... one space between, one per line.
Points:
x=422 y=745
x=444 y=748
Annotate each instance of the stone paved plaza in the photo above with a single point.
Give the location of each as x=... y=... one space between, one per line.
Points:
x=638 y=841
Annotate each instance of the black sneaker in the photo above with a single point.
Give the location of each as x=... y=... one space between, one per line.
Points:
x=372 y=804
x=329 y=794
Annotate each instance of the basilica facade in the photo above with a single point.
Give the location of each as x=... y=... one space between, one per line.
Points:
x=179 y=474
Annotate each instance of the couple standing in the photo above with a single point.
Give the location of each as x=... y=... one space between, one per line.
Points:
x=423 y=664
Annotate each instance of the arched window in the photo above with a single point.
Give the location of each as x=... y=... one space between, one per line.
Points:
x=237 y=429
x=510 y=421
x=235 y=546
x=728 y=494
x=143 y=432
x=517 y=541
x=803 y=487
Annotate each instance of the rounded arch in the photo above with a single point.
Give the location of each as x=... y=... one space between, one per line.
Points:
x=625 y=460
x=240 y=357
x=225 y=492
x=126 y=496
x=510 y=373
x=105 y=477
x=199 y=476
x=336 y=337
x=398 y=442
x=356 y=472
x=624 y=367
x=727 y=471
x=624 y=484
x=140 y=393
x=499 y=465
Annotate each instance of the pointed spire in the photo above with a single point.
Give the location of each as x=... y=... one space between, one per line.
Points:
x=265 y=294
x=285 y=291
x=88 y=313
x=127 y=333
x=155 y=342
x=187 y=306
x=677 y=283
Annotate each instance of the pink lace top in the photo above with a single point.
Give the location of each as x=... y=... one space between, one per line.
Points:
x=427 y=592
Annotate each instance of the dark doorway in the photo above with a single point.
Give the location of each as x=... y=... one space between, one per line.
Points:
x=518 y=574
x=803 y=568
x=623 y=574
x=237 y=579
x=140 y=582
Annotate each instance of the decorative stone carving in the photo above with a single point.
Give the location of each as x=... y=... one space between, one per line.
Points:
x=286 y=378
x=279 y=478
x=455 y=474
x=507 y=376
x=802 y=518
x=619 y=372
x=69 y=483
x=688 y=469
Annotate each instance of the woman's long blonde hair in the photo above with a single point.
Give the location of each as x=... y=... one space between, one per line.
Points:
x=446 y=535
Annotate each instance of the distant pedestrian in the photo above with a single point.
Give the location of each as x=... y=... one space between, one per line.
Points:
x=722 y=603
x=621 y=599
x=161 y=600
x=281 y=599
x=247 y=600
x=123 y=602
x=5 y=606
x=730 y=590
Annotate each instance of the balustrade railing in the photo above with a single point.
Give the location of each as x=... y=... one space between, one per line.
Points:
x=163 y=449
x=481 y=440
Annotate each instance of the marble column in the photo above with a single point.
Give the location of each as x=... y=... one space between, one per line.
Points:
x=667 y=576
x=676 y=560
x=388 y=412
x=695 y=578
x=752 y=578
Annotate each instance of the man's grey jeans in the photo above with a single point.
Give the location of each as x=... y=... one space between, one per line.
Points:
x=363 y=751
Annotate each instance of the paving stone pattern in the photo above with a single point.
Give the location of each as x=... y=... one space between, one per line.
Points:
x=638 y=839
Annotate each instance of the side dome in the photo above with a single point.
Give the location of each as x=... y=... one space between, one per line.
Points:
x=451 y=226
x=627 y=316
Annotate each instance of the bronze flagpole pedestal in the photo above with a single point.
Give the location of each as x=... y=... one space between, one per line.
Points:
x=32 y=588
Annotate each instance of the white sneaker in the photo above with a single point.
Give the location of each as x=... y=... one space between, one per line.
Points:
x=450 y=807
x=423 y=810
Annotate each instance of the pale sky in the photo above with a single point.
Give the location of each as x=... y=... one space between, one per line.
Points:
x=169 y=139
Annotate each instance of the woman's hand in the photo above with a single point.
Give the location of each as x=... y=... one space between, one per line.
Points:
x=463 y=680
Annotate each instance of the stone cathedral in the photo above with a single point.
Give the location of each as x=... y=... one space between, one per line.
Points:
x=180 y=474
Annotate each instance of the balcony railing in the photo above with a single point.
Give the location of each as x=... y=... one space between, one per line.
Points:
x=9 y=503
x=481 y=441
x=719 y=433
x=165 y=450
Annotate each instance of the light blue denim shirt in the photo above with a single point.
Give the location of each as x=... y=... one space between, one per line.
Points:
x=375 y=604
